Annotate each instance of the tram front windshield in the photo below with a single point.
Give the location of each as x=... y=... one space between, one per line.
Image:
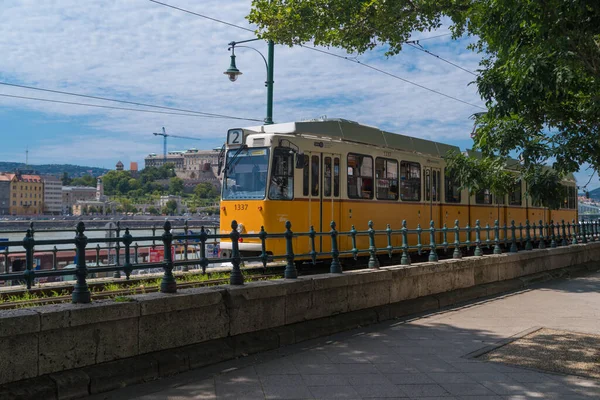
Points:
x=246 y=174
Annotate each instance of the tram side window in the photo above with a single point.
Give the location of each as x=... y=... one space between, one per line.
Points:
x=282 y=175
x=314 y=182
x=305 y=177
x=483 y=196
x=572 y=197
x=336 y=177
x=360 y=176
x=327 y=177
x=570 y=200
x=514 y=197
x=452 y=190
x=410 y=181
x=386 y=173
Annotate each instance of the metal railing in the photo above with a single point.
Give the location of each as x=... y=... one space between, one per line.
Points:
x=512 y=238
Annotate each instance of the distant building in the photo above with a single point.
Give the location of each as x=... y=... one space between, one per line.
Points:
x=72 y=194
x=162 y=202
x=27 y=194
x=191 y=165
x=133 y=169
x=173 y=157
x=52 y=195
x=119 y=166
x=5 y=184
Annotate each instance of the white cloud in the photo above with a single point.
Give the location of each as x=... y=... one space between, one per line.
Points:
x=140 y=51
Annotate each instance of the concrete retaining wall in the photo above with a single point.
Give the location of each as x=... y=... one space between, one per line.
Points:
x=158 y=334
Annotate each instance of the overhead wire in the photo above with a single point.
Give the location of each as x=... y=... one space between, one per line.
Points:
x=336 y=55
x=395 y=76
x=119 y=108
x=181 y=111
x=420 y=48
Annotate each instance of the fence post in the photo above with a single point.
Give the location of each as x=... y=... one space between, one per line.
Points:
x=290 y=268
x=497 y=249
x=185 y=267
x=528 y=245
x=477 y=251
x=569 y=235
x=264 y=257
x=117 y=243
x=583 y=233
x=457 y=253
x=28 y=244
x=574 y=236
x=445 y=244
x=336 y=267
x=203 y=259
x=313 y=252
x=354 y=249
x=136 y=252
x=54 y=259
x=564 y=235
x=505 y=236
x=153 y=236
x=127 y=240
x=542 y=243
x=552 y=235
x=513 y=246
x=390 y=249
x=419 y=244
x=405 y=260
x=487 y=235
x=168 y=284
x=373 y=261
x=432 y=246
x=236 y=277
x=81 y=292
x=468 y=241
x=520 y=234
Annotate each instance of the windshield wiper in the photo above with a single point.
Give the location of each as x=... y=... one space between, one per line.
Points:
x=234 y=159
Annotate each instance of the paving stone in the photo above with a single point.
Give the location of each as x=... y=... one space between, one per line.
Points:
x=357 y=369
x=367 y=379
x=450 y=377
x=409 y=379
x=284 y=387
x=325 y=380
x=426 y=390
x=467 y=389
x=334 y=392
x=379 y=390
x=280 y=366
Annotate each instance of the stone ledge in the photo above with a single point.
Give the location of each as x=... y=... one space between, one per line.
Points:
x=117 y=374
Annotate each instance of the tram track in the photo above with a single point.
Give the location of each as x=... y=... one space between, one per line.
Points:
x=125 y=292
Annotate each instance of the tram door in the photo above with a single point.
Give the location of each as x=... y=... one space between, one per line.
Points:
x=433 y=195
x=322 y=186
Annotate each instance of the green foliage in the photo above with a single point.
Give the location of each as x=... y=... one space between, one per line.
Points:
x=176 y=186
x=86 y=180
x=477 y=174
x=205 y=190
x=539 y=74
x=153 y=210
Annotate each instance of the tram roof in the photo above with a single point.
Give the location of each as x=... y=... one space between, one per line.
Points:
x=354 y=132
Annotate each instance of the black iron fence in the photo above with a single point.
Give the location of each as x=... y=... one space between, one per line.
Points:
x=457 y=240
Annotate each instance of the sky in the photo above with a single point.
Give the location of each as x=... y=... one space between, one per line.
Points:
x=139 y=51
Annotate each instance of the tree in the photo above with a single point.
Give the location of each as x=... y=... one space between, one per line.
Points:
x=171 y=207
x=205 y=190
x=539 y=74
x=66 y=181
x=175 y=186
x=86 y=180
x=153 y=210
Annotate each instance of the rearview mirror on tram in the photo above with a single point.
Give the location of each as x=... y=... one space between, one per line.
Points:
x=300 y=160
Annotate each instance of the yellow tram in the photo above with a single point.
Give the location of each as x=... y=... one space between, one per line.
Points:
x=315 y=172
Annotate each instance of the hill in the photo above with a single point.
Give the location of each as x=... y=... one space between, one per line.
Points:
x=595 y=194
x=54 y=169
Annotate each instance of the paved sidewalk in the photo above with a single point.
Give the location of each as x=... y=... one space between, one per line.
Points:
x=421 y=358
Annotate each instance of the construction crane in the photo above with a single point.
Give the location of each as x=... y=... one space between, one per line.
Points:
x=164 y=135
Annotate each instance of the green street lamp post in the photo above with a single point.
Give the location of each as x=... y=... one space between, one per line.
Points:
x=233 y=72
